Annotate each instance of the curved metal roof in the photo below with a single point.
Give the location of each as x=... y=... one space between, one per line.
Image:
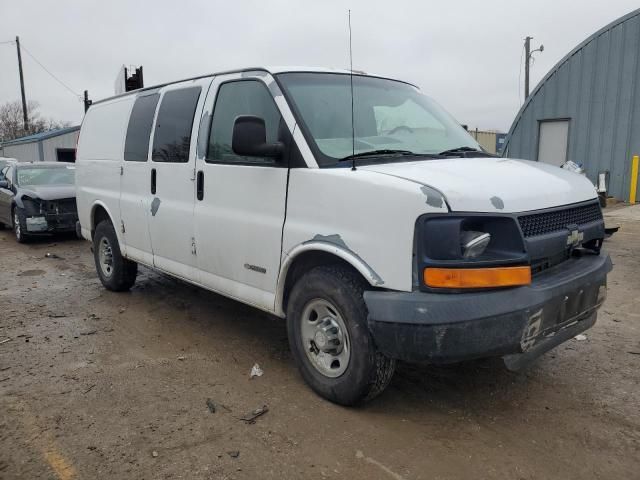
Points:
x=557 y=66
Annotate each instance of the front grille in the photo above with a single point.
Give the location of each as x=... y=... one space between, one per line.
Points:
x=558 y=220
x=65 y=205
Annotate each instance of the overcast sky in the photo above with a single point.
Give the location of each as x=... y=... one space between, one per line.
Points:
x=465 y=54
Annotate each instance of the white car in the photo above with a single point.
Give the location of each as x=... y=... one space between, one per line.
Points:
x=353 y=206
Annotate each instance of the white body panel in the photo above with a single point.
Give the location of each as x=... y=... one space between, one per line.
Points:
x=171 y=223
x=494 y=184
x=264 y=217
x=239 y=222
x=369 y=216
x=98 y=161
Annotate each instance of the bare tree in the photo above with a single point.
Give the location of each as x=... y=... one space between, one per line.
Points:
x=11 y=121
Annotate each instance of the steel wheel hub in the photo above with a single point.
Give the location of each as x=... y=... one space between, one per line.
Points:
x=325 y=338
x=105 y=257
x=16 y=224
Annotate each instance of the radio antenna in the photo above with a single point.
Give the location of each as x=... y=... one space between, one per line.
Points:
x=353 y=128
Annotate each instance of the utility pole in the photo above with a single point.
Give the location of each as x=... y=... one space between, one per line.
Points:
x=87 y=102
x=24 y=98
x=527 y=59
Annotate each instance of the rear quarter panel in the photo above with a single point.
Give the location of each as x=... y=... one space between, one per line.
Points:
x=98 y=160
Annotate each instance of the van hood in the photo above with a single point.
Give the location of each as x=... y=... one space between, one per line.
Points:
x=48 y=192
x=493 y=184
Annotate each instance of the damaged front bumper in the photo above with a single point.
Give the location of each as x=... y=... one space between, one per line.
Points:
x=51 y=223
x=518 y=324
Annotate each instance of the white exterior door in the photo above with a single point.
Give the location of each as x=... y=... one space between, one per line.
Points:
x=240 y=212
x=172 y=178
x=135 y=193
x=553 y=142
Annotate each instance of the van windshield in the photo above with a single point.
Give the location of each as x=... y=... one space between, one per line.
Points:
x=388 y=115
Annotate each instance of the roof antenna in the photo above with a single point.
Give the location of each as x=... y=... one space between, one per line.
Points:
x=353 y=128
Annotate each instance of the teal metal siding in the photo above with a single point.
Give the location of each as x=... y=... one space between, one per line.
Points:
x=597 y=87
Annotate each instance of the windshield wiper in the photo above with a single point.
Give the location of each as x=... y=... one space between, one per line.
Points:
x=384 y=151
x=460 y=150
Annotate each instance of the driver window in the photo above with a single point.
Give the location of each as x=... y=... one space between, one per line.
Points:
x=243 y=97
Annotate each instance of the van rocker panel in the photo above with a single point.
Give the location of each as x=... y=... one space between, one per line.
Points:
x=518 y=324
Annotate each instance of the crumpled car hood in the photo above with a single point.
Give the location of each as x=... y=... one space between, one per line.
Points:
x=493 y=184
x=48 y=192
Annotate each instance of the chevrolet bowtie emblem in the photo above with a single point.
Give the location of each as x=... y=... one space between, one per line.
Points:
x=574 y=239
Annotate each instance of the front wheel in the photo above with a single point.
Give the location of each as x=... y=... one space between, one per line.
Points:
x=20 y=225
x=329 y=337
x=116 y=272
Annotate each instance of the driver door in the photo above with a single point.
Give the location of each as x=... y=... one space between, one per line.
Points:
x=6 y=194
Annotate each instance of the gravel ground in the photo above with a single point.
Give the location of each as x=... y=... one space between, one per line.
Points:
x=95 y=384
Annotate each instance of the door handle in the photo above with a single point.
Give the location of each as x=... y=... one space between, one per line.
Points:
x=200 y=185
x=153 y=181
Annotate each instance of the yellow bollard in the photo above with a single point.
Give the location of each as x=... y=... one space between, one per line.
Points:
x=634 y=179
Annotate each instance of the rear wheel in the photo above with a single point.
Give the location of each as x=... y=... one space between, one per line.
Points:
x=330 y=339
x=116 y=272
x=20 y=225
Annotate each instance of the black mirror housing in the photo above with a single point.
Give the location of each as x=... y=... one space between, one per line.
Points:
x=250 y=138
x=4 y=184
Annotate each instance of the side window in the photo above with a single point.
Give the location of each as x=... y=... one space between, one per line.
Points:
x=172 y=137
x=244 y=97
x=136 y=145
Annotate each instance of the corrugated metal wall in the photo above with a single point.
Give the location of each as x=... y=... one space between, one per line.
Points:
x=596 y=87
x=24 y=152
x=49 y=146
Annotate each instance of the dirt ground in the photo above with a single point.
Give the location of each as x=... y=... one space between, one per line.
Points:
x=95 y=384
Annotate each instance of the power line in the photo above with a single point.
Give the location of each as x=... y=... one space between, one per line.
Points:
x=8 y=41
x=79 y=97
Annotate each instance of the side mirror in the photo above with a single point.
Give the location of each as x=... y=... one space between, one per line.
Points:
x=4 y=184
x=250 y=138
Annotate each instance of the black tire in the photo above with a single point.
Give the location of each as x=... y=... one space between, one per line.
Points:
x=368 y=371
x=19 y=221
x=121 y=274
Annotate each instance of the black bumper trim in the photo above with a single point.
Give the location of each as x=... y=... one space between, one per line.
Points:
x=528 y=321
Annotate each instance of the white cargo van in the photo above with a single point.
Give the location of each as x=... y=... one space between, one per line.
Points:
x=379 y=229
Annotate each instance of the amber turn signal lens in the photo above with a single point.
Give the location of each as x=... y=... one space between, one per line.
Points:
x=477 y=277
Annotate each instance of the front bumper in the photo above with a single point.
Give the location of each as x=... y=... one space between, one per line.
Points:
x=51 y=223
x=518 y=324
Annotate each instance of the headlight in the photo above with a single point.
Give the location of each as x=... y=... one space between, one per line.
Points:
x=469 y=249
x=33 y=206
x=473 y=243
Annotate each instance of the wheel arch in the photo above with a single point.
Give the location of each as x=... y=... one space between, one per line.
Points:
x=312 y=254
x=100 y=212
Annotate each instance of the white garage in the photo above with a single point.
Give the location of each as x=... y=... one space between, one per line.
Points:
x=51 y=146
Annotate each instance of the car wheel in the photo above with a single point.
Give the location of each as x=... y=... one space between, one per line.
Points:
x=20 y=225
x=116 y=272
x=330 y=339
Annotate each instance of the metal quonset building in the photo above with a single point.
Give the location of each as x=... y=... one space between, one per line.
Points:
x=587 y=108
x=52 y=146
